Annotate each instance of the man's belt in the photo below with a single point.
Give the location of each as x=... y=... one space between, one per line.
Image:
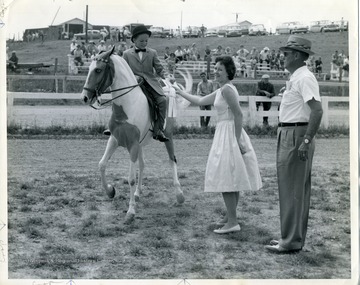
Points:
x=292 y=124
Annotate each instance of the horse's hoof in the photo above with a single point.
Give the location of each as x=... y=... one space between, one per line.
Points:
x=180 y=198
x=111 y=193
x=129 y=218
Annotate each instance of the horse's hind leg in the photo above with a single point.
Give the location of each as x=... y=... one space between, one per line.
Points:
x=111 y=146
x=170 y=149
x=141 y=172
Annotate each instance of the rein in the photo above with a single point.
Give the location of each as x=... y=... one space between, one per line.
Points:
x=102 y=104
x=98 y=93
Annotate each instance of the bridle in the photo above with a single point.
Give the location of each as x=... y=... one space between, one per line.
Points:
x=101 y=89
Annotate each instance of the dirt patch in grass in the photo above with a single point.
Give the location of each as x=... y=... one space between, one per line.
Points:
x=62 y=225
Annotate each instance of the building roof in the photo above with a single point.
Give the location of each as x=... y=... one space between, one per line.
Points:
x=73 y=21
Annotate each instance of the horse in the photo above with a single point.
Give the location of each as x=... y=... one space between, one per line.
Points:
x=130 y=123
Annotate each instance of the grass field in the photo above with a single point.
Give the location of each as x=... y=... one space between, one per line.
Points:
x=61 y=224
x=323 y=44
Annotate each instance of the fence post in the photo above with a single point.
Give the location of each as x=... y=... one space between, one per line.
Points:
x=325 y=116
x=252 y=111
x=10 y=104
x=64 y=84
x=56 y=80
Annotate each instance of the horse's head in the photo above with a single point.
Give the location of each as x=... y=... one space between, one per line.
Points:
x=100 y=76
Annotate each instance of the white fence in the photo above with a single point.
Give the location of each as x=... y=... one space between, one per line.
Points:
x=251 y=116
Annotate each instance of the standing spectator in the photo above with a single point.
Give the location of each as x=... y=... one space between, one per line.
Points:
x=179 y=55
x=228 y=51
x=72 y=46
x=78 y=54
x=318 y=66
x=265 y=88
x=122 y=48
x=300 y=116
x=232 y=164
x=102 y=46
x=342 y=26
x=204 y=88
x=207 y=55
x=202 y=29
x=104 y=33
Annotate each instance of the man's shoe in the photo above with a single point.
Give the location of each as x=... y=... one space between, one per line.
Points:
x=226 y=231
x=274 y=242
x=279 y=249
x=107 y=132
x=160 y=137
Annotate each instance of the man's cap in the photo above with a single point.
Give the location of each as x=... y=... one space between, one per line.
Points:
x=139 y=30
x=202 y=73
x=102 y=41
x=266 y=48
x=299 y=44
x=265 y=76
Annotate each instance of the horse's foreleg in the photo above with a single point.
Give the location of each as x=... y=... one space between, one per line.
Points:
x=134 y=153
x=110 y=149
x=179 y=193
x=141 y=171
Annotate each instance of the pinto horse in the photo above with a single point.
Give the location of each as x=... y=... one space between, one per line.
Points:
x=130 y=123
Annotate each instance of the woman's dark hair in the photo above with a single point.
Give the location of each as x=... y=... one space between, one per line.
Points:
x=229 y=65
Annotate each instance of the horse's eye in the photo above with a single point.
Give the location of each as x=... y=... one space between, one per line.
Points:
x=97 y=70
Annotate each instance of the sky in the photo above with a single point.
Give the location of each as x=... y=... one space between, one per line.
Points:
x=23 y=14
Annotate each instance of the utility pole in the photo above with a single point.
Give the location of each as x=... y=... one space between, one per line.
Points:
x=86 y=25
x=237 y=16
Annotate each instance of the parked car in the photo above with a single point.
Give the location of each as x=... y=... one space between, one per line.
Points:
x=211 y=33
x=157 y=32
x=237 y=32
x=192 y=32
x=331 y=28
x=92 y=35
x=222 y=33
x=291 y=28
x=317 y=26
x=257 y=30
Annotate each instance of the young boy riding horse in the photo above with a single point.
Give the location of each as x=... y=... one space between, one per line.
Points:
x=143 y=61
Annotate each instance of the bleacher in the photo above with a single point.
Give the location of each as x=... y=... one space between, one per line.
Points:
x=73 y=69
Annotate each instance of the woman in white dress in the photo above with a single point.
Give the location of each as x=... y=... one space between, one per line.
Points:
x=232 y=164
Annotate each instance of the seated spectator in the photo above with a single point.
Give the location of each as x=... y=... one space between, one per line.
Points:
x=78 y=54
x=84 y=50
x=219 y=51
x=207 y=55
x=254 y=53
x=13 y=62
x=102 y=46
x=253 y=62
x=179 y=54
x=274 y=64
x=228 y=51
x=167 y=53
x=282 y=62
x=92 y=50
x=335 y=58
x=72 y=46
x=264 y=56
x=318 y=66
x=242 y=53
x=194 y=53
x=186 y=53
x=171 y=65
